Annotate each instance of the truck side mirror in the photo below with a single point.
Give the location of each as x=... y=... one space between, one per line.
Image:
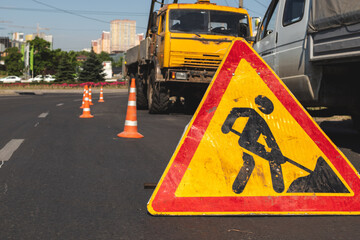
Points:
x=154 y=28
x=257 y=21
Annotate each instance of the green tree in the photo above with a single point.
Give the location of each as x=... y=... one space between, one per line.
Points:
x=57 y=55
x=14 y=64
x=104 y=56
x=85 y=53
x=43 y=56
x=66 y=70
x=118 y=63
x=72 y=58
x=92 y=70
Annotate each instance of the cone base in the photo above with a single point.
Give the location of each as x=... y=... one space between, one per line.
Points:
x=101 y=101
x=125 y=134
x=86 y=116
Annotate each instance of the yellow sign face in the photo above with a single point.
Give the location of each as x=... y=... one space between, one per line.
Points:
x=251 y=148
x=218 y=158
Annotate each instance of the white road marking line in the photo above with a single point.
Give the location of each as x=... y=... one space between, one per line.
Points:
x=13 y=97
x=59 y=104
x=77 y=100
x=36 y=124
x=7 y=151
x=43 y=115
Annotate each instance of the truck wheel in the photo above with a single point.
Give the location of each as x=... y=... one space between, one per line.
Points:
x=158 y=96
x=141 y=100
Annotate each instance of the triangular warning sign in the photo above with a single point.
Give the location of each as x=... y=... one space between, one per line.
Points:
x=251 y=148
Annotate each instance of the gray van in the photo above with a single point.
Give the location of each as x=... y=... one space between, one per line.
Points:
x=314 y=47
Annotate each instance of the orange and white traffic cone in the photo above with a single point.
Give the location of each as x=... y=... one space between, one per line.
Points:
x=101 y=99
x=83 y=101
x=86 y=109
x=90 y=96
x=130 y=129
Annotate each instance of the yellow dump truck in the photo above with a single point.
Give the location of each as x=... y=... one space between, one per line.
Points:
x=183 y=48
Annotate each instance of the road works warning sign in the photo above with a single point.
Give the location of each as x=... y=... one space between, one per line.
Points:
x=251 y=148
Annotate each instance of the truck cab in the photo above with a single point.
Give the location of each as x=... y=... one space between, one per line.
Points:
x=193 y=38
x=185 y=43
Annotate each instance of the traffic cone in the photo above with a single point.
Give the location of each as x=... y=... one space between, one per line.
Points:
x=90 y=96
x=83 y=101
x=101 y=95
x=130 y=129
x=86 y=109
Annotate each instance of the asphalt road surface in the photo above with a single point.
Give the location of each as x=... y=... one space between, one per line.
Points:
x=69 y=178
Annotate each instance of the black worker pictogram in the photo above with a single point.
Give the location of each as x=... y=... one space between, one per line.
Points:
x=322 y=179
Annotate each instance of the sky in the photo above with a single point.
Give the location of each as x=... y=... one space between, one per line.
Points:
x=74 y=23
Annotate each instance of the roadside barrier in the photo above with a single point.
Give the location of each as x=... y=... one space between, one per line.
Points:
x=86 y=109
x=101 y=99
x=130 y=129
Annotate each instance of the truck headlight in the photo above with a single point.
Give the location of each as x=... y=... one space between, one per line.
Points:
x=181 y=75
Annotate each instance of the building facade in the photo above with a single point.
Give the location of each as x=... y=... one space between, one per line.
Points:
x=48 y=38
x=139 y=38
x=122 y=35
x=17 y=36
x=29 y=37
x=96 y=45
x=105 y=42
x=102 y=44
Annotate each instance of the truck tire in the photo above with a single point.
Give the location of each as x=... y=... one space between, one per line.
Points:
x=158 y=96
x=141 y=100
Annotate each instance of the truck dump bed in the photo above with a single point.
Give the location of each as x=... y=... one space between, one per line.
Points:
x=138 y=53
x=132 y=55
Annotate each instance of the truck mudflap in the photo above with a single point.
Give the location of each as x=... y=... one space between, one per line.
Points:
x=158 y=76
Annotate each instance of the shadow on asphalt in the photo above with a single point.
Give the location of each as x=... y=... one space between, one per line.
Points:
x=26 y=93
x=342 y=133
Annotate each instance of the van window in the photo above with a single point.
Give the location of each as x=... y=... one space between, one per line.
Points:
x=268 y=24
x=293 y=12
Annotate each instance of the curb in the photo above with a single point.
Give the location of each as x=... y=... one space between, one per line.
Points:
x=42 y=92
x=8 y=93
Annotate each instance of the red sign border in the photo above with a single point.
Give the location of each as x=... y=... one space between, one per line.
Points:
x=165 y=200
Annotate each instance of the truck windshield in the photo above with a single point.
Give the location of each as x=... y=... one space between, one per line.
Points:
x=209 y=22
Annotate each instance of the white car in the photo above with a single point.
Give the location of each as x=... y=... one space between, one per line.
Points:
x=10 y=79
x=39 y=78
x=49 y=78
